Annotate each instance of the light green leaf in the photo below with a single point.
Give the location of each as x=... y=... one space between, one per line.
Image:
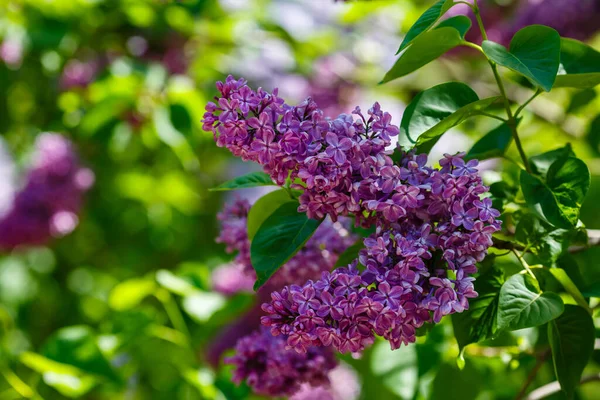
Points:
x=426 y=48
x=396 y=369
x=571 y=338
x=493 y=144
x=280 y=237
x=203 y=305
x=523 y=305
x=253 y=179
x=173 y=283
x=541 y=163
x=264 y=207
x=534 y=53
x=425 y=21
x=128 y=294
x=579 y=65
x=461 y=23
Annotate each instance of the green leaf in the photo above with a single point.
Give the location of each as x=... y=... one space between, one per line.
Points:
x=534 y=53
x=579 y=65
x=128 y=294
x=593 y=135
x=174 y=283
x=253 y=179
x=350 y=254
x=77 y=346
x=264 y=207
x=479 y=321
x=559 y=199
x=429 y=138
x=461 y=23
x=566 y=281
x=426 y=48
x=430 y=107
x=571 y=338
x=523 y=305
x=541 y=163
x=67 y=380
x=542 y=239
x=493 y=144
x=425 y=21
x=581 y=99
x=280 y=237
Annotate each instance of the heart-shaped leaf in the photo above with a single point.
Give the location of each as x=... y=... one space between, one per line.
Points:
x=579 y=65
x=264 y=207
x=430 y=107
x=523 y=305
x=558 y=199
x=479 y=321
x=534 y=53
x=425 y=21
x=425 y=48
x=571 y=338
x=253 y=179
x=493 y=144
x=277 y=240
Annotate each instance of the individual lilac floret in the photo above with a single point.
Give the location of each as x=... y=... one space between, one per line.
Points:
x=418 y=264
x=50 y=201
x=336 y=160
x=264 y=363
x=319 y=254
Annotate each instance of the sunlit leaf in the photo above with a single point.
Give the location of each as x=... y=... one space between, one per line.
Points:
x=253 y=179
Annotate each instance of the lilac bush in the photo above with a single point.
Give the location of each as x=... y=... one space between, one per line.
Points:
x=48 y=204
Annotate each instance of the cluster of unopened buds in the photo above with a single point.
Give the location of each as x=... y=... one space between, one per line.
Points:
x=432 y=225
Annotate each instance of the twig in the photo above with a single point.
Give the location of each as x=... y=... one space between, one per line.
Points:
x=554 y=387
x=541 y=359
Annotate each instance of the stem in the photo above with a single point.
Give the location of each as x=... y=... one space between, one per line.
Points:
x=532 y=374
x=554 y=387
x=536 y=94
x=173 y=313
x=524 y=264
x=16 y=383
x=472 y=45
x=511 y=122
x=493 y=116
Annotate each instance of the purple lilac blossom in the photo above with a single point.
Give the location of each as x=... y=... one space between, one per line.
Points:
x=343 y=385
x=339 y=161
x=50 y=201
x=78 y=73
x=319 y=254
x=418 y=264
x=270 y=369
x=430 y=232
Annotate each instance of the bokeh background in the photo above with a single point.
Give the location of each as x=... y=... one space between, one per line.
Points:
x=111 y=297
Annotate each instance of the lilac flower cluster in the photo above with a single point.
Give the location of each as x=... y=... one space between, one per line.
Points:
x=271 y=370
x=433 y=226
x=319 y=254
x=48 y=204
x=342 y=163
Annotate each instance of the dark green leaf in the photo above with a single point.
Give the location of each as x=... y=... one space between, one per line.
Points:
x=461 y=23
x=253 y=179
x=77 y=346
x=579 y=65
x=280 y=237
x=429 y=138
x=425 y=21
x=479 y=321
x=493 y=144
x=542 y=239
x=523 y=305
x=593 y=135
x=534 y=53
x=426 y=48
x=350 y=254
x=542 y=162
x=264 y=207
x=430 y=107
x=571 y=338
x=559 y=199
x=581 y=99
